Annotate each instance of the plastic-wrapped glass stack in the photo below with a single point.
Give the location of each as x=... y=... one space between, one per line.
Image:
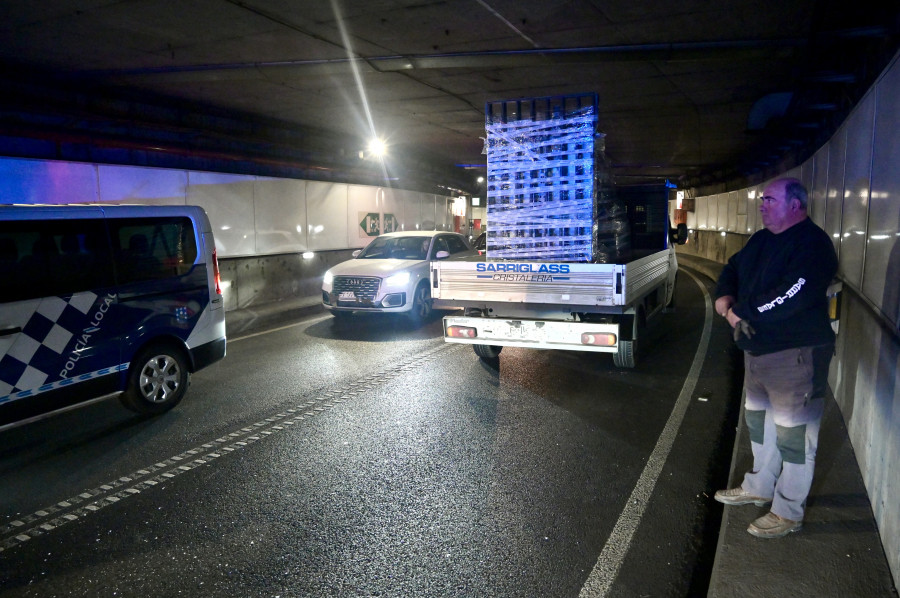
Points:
x=540 y=194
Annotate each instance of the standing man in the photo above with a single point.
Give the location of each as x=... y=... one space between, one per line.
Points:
x=772 y=292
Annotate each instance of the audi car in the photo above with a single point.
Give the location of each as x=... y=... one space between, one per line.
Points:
x=391 y=275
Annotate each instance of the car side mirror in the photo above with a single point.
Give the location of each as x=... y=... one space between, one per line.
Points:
x=442 y=255
x=679 y=234
x=356 y=253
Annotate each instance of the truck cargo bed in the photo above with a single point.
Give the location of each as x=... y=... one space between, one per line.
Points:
x=574 y=285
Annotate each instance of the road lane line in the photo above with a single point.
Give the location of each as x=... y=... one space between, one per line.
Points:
x=604 y=573
x=88 y=502
x=285 y=327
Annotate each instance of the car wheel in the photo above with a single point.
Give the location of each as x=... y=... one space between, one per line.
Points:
x=487 y=351
x=421 y=307
x=157 y=380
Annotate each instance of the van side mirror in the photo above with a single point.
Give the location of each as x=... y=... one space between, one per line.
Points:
x=442 y=255
x=679 y=234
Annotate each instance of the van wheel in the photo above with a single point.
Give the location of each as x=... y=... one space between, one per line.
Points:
x=487 y=351
x=157 y=380
x=421 y=307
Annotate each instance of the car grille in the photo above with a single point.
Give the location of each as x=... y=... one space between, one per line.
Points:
x=364 y=287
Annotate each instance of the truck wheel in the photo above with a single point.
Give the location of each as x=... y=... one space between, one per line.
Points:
x=670 y=304
x=421 y=307
x=157 y=380
x=626 y=356
x=487 y=351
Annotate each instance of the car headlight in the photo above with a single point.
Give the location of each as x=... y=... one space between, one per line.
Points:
x=399 y=279
x=328 y=278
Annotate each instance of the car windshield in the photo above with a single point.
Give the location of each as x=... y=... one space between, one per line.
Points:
x=398 y=248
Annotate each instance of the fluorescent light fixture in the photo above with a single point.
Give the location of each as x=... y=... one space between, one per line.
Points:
x=308 y=255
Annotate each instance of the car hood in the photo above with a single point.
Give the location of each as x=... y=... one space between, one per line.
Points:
x=382 y=268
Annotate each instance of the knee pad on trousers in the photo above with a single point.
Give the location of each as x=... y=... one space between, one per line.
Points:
x=756 y=423
x=791 y=443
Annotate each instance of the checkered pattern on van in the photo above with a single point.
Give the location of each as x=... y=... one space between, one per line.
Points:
x=41 y=345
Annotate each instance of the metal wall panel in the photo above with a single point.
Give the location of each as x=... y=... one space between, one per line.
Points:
x=47 y=181
x=835 y=189
x=857 y=169
x=327 y=215
x=712 y=214
x=881 y=280
x=807 y=173
x=228 y=200
x=733 y=200
x=702 y=207
x=819 y=189
x=279 y=207
x=142 y=185
x=753 y=221
x=722 y=216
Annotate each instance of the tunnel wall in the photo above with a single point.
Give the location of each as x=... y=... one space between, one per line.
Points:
x=854 y=186
x=274 y=237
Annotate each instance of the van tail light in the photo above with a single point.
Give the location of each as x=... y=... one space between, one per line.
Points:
x=215 y=261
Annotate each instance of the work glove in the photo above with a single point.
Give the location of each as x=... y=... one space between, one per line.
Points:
x=743 y=327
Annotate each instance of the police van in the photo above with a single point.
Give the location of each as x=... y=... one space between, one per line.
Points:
x=105 y=301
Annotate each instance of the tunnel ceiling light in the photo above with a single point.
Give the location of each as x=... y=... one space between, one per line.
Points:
x=377 y=148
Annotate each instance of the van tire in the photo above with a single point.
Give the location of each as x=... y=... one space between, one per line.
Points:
x=488 y=351
x=157 y=380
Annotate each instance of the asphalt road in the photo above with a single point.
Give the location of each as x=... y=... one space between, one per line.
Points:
x=370 y=459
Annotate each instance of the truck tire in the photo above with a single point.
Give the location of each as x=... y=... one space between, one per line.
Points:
x=670 y=305
x=157 y=379
x=487 y=351
x=626 y=356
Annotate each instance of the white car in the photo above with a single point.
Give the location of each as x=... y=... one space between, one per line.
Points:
x=391 y=275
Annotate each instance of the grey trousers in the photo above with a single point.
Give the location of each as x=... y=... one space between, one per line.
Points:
x=783 y=408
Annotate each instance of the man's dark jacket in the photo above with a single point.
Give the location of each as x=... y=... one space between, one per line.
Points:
x=779 y=282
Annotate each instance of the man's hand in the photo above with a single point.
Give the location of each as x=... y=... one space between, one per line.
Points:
x=723 y=304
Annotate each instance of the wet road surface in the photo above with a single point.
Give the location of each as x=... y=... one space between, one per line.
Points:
x=325 y=458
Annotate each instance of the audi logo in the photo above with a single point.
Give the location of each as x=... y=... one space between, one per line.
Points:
x=355 y=281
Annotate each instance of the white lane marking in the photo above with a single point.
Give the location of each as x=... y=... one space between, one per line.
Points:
x=285 y=327
x=617 y=545
x=45 y=520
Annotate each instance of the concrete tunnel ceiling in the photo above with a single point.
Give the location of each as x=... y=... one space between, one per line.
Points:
x=700 y=93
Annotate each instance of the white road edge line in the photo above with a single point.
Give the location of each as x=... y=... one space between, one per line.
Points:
x=604 y=573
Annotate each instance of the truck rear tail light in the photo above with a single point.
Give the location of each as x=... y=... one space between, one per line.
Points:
x=461 y=332
x=599 y=338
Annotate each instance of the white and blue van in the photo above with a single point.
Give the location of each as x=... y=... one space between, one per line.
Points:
x=103 y=301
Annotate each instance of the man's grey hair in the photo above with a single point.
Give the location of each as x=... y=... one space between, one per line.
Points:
x=794 y=189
